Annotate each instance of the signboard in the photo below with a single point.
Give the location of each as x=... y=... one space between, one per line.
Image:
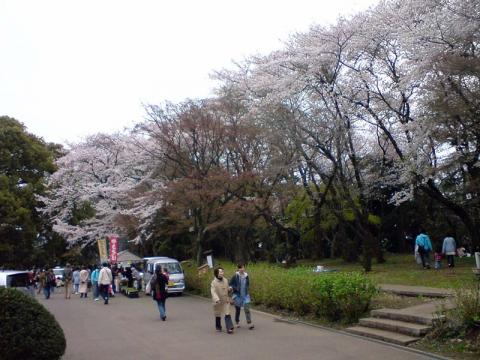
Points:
x=113 y=248
x=210 y=261
x=102 y=250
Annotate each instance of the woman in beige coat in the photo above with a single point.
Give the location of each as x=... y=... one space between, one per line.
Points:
x=83 y=282
x=221 y=300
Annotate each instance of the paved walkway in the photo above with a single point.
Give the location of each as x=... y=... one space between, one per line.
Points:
x=131 y=329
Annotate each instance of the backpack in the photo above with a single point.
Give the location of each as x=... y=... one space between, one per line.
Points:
x=52 y=280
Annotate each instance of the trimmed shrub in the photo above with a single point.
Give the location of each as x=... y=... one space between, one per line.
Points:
x=333 y=296
x=27 y=330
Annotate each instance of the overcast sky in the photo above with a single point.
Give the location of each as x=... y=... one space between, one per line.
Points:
x=73 y=68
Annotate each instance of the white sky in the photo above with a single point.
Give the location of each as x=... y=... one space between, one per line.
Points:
x=74 y=68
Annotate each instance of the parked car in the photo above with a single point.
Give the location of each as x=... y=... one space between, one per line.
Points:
x=176 y=282
x=59 y=275
x=17 y=279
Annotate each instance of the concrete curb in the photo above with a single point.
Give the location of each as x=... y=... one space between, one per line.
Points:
x=301 y=322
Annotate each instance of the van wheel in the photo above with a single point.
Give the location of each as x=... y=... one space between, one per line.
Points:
x=180 y=294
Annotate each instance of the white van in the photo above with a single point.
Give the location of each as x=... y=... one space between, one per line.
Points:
x=176 y=282
x=17 y=279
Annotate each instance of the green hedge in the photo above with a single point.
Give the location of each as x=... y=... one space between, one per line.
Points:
x=27 y=330
x=336 y=296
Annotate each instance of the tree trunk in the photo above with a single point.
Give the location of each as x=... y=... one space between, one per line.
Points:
x=472 y=227
x=318 y=235
x=199 y=245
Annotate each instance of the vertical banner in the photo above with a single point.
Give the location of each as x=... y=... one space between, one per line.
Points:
x=102 y=250
x=113 y=248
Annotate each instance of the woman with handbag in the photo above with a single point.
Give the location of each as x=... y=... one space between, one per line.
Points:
x=424 y=245
x=158 y=286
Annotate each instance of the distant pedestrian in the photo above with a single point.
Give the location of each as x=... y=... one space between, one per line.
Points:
x=219 y=289
x=117 y=276
x=240 y=283
x=47 y=279
x=76 y=280
x=449 y=249
x=31 y=283
x=129 y=276
x=137 y=278
x=83 y=282
x=158 y=286
x=40 y=280
x=94 y=280
x=68 y=276
x=437 y=257
x=105 y=279
x=424 y=246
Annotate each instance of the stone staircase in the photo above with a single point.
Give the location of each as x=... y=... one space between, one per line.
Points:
x=402 y=326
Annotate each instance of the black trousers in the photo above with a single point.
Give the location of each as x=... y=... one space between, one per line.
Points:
x=104 y=292
x=450 y=260
x=425 y=256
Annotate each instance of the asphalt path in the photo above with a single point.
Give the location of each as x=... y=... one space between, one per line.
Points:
x=131 y=329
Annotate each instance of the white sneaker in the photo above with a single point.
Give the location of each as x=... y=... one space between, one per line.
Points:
x=96 y=299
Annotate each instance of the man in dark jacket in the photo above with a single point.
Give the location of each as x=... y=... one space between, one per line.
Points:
x=68 y=275
x=240 y=283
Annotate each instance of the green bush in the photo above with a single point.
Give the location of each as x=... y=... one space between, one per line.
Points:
x=333 y=296
x=459 y=333
x=466 y=314
x=27 y=329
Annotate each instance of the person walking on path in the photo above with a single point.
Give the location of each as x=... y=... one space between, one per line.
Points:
x=449 y=248
x=46 y=279
x=137 y=278
x=94 y=280
x=158 y=285
x=240 y=283
x=83 y=282
x=117 y=276
x=219 y=289
x=40 y=280
x=31 y=283
x=68 y=275
x=76 y=280
x=104 y=281
x=424 y=245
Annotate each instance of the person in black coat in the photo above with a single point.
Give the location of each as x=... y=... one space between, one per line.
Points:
x=158 y=285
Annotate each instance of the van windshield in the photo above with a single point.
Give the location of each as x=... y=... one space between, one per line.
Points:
x=172 y=268
x=58 y=272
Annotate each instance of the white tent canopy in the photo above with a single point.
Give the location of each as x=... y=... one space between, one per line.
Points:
x=125 y=257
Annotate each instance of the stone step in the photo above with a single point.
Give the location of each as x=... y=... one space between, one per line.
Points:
x=383 y=335
x=407 y=316
x=416 y=291
x=402 y=327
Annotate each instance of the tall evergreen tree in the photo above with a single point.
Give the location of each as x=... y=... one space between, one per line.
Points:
x=25 y=160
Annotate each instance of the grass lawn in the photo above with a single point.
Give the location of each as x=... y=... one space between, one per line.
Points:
x=403 y=270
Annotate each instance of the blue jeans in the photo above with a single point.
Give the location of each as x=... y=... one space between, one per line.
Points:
x=96 y=291
x=46 y=292
x=161 y=308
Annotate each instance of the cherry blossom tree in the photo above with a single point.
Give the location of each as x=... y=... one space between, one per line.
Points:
x=105 y=174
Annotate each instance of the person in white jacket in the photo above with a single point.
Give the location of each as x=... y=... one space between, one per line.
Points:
x=83 y=282
x=104 y=281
